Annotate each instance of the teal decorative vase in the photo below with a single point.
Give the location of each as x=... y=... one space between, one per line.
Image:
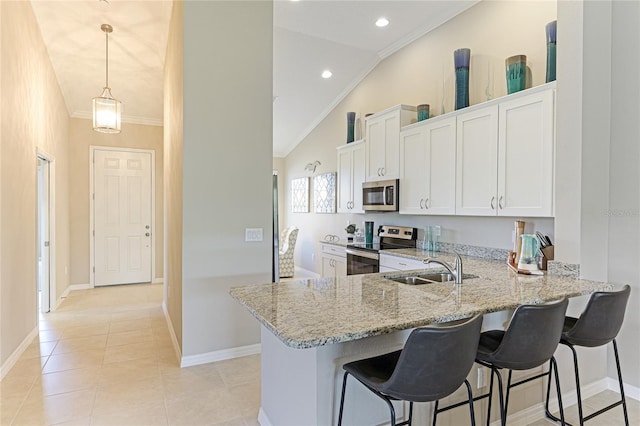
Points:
x=461 y=61
x=551 y=30
x=516 y=73
x=351 y=121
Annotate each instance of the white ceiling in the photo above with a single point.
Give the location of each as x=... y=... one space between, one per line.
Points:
x=309 y=37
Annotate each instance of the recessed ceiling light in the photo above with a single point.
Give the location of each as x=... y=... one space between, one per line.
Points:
x=382 y=22
x=326 y=74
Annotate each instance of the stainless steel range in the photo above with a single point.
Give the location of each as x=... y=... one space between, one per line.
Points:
x=363 y=258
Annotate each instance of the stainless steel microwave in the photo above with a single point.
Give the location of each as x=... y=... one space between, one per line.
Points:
x=381 y=196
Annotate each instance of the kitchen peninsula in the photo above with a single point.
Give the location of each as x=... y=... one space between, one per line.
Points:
x=309 y=328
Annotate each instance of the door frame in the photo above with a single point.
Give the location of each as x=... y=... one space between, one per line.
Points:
x=52 y=227
x=92 y=240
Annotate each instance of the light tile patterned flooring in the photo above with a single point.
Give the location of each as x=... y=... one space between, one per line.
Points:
x=105 y=358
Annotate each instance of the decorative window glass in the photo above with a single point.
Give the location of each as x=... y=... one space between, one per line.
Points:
x=300 y=195
x=324 y=193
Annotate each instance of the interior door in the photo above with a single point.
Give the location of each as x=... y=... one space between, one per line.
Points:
x=44 y=259
x=122 y=217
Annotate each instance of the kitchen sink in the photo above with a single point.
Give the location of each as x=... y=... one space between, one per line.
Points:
x=429 y=278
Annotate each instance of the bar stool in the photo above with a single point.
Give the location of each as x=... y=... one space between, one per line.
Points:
x=434 y=363
x=598 y=325
x=529 y=341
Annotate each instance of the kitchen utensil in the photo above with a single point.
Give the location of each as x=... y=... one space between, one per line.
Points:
x=517 y=242
x=542 y=239
x=528 y=252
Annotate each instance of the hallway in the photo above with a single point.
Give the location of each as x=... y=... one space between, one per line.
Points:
x=105 y=358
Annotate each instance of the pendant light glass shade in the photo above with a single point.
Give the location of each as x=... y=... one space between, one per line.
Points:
x=107 y=111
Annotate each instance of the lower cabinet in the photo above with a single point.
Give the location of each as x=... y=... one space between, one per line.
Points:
x=334 y=261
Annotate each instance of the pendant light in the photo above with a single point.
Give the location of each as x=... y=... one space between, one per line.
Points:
x=107 y=111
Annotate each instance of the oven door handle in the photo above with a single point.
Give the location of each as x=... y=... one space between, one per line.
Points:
x=366 y=254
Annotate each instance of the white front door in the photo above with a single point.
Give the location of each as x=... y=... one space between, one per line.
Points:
x=122 y=217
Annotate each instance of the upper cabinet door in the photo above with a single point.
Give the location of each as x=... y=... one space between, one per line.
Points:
x=358 y=157
x=413 y=171
x=525 y=165
x=383 y=141
x=351 y=161
x=345 y=180
x=440 y=167
x=376 y=133
x=476 y=162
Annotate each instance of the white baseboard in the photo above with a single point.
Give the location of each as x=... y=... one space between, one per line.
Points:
x=63 y=296
x=15 y=356
x=629 y=391
x=158 y=280
x=205 y=358
x=174 y=339
x=74 y=287
x=263 y=420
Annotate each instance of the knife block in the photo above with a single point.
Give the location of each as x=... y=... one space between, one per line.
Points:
x=547 y=254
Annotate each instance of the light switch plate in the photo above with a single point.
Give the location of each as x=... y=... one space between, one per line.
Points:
x=253 y=234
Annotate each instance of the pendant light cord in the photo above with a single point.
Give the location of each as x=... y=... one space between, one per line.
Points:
x=106 y=34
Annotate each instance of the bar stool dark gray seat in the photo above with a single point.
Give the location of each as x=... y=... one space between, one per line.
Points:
x=434 y=363
x=598 y=325
x=528 y=342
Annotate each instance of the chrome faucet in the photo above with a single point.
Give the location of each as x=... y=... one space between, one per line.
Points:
x=456 y=271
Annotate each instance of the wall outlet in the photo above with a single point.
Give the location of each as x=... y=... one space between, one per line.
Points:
x=482 y=377
x=253 y=234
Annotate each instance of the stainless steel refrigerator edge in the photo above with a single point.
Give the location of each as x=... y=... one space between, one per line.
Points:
x=275 y=269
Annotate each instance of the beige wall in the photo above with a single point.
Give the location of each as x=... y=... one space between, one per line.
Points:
x=227 y=173
x=81 y=137
x=173 y=128
x=33 y=117
x=493 y=30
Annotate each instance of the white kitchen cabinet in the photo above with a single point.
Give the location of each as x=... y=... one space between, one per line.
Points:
x=477 y=162
x=525 y=155
x=504 y=162
x=351 y=174
x=383 y=141
x=334 y=261
x=427 y=168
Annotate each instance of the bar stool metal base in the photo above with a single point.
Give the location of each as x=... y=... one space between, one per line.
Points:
x=582 y=417
x=386 y=399
x=504 y=401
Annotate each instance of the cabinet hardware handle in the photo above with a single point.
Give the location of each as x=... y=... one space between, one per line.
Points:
x=492 y=199
x=351 y=205
x=425 y=203
x=421 y=203
x=500 y=203
x=383 y=171
x=403 y=264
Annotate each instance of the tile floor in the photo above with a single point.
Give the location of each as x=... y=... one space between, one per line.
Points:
x=105 y=358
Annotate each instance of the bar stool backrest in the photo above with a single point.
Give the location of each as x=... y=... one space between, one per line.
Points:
x=601 y=319
x=532 y=336
x=435 y=361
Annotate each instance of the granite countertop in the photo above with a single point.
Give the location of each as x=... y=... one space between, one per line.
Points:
x=320 y=311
